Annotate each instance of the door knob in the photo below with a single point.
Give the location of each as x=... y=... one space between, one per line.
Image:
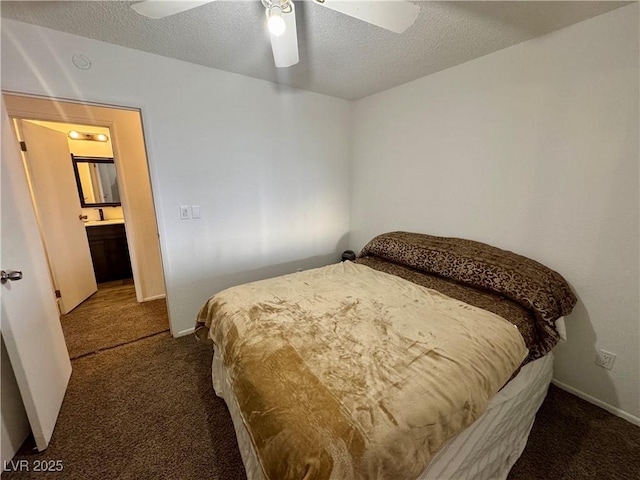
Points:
x=11 y=275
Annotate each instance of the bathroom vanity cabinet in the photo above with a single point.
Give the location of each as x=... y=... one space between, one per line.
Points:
x=109 y=251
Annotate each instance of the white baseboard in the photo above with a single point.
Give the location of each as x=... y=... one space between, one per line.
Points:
x=609 y=408
x=155 y=297
x=188 y=331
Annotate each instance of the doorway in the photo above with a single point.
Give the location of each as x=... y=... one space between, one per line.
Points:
x=74 y=182
x=127 y=231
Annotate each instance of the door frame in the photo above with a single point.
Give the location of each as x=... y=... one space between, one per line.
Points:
x=35 y=107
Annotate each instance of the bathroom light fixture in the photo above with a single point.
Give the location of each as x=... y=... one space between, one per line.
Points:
x=94 y=137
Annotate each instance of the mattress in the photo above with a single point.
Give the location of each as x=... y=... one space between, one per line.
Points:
x=485 y=450
x=492 y=444
x=347 y=372
x=519 y=290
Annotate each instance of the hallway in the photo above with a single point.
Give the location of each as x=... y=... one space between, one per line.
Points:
x=111 y=317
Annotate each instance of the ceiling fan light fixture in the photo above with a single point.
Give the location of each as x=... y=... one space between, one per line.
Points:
x=275 y=22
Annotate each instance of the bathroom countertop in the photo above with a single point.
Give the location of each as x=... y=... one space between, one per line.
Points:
x=96 y=223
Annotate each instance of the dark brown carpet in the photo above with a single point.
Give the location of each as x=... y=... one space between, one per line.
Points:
x=147 y=410
x=574 y=439
x=112 y=316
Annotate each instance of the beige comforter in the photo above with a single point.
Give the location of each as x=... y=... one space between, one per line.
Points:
x=344 y=372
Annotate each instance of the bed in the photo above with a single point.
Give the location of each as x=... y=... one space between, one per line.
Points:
x=426 y=357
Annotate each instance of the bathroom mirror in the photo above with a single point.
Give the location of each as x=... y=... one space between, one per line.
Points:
x=97 y=181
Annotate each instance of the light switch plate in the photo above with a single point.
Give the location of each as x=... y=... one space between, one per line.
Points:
x=184 y=212
x=195 y=211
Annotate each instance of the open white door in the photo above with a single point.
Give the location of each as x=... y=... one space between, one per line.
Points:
x=29 y=319
x=57 y=203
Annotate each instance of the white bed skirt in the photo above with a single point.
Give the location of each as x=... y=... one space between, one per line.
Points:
x=486 y=450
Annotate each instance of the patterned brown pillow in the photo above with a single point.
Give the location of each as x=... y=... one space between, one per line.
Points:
x=523 y=280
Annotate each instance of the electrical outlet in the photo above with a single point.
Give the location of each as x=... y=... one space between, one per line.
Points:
x=605 y=359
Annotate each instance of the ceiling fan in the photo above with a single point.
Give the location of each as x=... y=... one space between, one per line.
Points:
x=394 y=15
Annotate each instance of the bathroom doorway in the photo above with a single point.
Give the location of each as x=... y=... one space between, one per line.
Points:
x=119 y=234
x=75 y=191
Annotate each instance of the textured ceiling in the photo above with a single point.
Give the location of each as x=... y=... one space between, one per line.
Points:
x=339 y=55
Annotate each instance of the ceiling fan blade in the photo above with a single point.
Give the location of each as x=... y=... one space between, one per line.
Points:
x=285 y=47
x=394 y=15
x=162 y=8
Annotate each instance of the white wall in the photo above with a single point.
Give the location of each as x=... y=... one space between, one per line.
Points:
x=533 y=149
x=267 y=165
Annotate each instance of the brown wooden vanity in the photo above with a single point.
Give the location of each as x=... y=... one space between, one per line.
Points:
x=109 y=251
